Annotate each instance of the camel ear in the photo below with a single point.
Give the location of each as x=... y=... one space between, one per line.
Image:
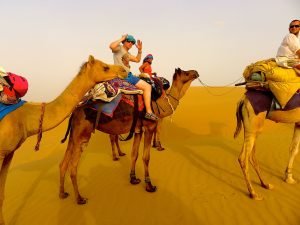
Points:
x=177 y=70
x=91 y=59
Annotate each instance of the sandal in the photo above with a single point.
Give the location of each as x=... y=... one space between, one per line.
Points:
x=151 y=116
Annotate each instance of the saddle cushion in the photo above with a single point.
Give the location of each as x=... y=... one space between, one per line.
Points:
x=108 y=108
x=261 y=101
x=5 y=109
x=282 y=82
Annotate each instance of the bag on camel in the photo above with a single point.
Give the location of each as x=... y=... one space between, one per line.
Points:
x=13 y=88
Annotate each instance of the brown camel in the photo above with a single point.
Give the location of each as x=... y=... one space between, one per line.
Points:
x=114 y=142
x=80 y=129
x=156 y=142
x=25 y=121
x=253 y=125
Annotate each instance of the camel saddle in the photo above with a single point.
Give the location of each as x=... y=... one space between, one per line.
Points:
x=266 y=75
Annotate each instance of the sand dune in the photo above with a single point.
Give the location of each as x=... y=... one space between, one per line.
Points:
x=198 y=176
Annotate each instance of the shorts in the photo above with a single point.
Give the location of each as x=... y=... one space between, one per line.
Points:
x=132 y=79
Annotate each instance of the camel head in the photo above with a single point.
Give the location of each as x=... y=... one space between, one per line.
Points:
x=185 y=76
x=100 y=71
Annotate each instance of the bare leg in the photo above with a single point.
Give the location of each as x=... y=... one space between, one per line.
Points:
x=134 y=157
x=143 y=85
x=293 y=152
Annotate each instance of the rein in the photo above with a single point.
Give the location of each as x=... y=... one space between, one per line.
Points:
x=40 y=131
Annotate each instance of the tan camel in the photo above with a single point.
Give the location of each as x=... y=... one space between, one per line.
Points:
x=25 y=121
x=82 y=121
x=253 y=125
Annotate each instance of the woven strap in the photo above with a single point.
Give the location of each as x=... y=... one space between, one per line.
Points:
x=40 y=131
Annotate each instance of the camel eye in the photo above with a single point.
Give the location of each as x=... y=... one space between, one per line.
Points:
x=106 y=68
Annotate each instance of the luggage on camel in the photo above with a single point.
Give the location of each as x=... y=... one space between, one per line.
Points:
x=266 y=75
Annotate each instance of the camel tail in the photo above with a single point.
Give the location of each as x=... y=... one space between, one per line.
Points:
x=68 y=130
x=239 y=118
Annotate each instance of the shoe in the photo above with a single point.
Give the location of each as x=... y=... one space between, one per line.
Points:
x=151 y=116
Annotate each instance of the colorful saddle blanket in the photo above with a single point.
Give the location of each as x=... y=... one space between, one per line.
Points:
x=108 y=108
x=263 y=101
x=108 y=90
x=5 y=109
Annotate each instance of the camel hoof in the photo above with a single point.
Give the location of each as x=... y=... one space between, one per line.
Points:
x=256 y=197
x=151 y=188
x=63 y=195
x=160 y=148
x=268 y=186
x=135 y=180
x=81 y=201
x=122 y=154
x=115 y=159
x=290 y=180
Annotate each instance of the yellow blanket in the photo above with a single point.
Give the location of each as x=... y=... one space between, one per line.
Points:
x=283 y=82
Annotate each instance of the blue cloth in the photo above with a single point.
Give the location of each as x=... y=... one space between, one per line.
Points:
x=5 y=109
x=132 y=79
x=108 y=108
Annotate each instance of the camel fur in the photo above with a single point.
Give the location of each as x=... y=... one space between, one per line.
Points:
x=24 y=121
x=80 y=130
x=253 y=125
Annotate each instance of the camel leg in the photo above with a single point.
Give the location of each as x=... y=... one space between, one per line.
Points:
x=252 y=126
x=156 y=136
x=293 y=152
x=5 y=162
x=134 y=157
x=146 y=159
x=63 y=167
x=118 y=146
x=244 y=163
x=114 y=141
x=112 y=138
x=73 y=170
x=256 y=167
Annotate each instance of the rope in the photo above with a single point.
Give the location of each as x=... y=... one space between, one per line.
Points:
x=40 y=131
x=224 y=93
x=171 y=107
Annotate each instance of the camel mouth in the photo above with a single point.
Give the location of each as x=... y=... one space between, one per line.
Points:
x=196 y=74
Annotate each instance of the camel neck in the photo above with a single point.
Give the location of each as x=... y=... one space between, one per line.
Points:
x=61 y=107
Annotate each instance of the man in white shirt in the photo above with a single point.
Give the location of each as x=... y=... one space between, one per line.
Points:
x=288 y=54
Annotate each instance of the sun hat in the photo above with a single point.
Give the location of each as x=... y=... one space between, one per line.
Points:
x=130 y=38
x=19 y=85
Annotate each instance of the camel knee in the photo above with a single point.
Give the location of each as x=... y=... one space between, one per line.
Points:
x=242 y=163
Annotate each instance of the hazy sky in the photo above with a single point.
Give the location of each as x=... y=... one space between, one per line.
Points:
x=47 y=40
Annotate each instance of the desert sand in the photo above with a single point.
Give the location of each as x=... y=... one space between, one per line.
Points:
x=198 y=176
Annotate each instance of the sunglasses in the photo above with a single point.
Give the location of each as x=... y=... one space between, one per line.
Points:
x=132 y=42
x=294 y=26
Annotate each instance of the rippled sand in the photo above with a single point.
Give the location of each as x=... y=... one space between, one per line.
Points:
x=198 y=176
